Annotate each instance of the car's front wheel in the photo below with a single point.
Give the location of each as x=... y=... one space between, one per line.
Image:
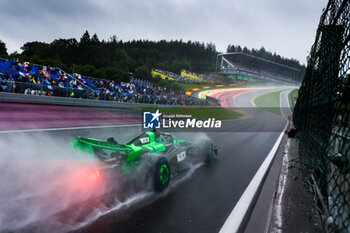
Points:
x=162 y=174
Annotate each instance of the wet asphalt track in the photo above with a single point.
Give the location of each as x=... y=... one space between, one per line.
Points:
x=203 y=202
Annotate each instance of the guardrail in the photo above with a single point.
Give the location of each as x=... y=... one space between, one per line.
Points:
x=54 y=100
x=76 y=93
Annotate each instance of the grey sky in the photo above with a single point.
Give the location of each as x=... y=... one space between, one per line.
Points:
x=285 y=26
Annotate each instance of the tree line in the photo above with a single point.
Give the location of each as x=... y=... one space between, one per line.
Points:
x=115 y=59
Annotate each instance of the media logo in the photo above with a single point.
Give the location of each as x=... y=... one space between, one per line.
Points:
x=151 y=120
x=157 y=120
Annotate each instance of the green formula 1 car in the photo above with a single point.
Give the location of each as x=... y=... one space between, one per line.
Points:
x=158 y=155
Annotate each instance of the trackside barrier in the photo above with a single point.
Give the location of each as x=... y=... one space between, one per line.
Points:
x=53 y=100
x=213 y=100
x=322 y=117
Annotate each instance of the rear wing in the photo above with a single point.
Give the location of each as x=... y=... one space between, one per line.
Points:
x=85 y=143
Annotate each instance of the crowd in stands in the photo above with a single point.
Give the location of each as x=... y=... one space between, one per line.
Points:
x=256 y=73
x=171 y=75
x=201 y=76
x=26 y=78
x=35 y=77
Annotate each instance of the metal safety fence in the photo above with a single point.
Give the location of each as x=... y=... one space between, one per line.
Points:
x=322 y=117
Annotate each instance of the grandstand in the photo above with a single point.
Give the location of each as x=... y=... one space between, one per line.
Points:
x=31 y=79
x=241 y=66
x=165 y=75
x=195 y=77
x=38 y=77
x=185 y=77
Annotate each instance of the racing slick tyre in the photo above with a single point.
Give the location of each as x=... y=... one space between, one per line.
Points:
x=162 y=174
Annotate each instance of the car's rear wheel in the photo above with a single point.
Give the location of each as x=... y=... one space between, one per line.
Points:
x=162 y=174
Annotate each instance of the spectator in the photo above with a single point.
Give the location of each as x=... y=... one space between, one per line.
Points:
x=44 y=80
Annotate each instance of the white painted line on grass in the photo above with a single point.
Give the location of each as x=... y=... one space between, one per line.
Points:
x=236 y=218
x=67 y=128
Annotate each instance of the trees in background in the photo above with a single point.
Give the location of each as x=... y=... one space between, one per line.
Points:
x=114 y=59
x=3 y=49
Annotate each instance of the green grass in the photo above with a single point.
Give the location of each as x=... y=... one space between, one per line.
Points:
x=202 y=112
x=292 y=96
x=295 y=93
x=269 y=102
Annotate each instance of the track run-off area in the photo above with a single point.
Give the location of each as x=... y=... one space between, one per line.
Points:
x=210 y=198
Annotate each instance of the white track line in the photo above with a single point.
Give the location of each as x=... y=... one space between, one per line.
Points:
x=67 y=128
x=239 y=212
x=285 y=93
x=281 y=189
x=235 y=219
